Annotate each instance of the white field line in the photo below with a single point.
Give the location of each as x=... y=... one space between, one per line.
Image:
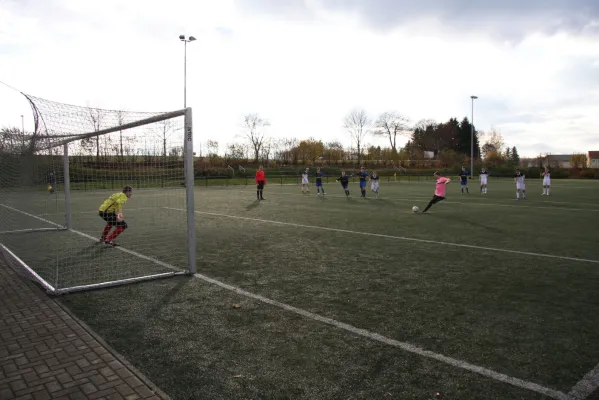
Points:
x=161 y=193
x=586 y=386
x=470 y=246
x=418 y=198
x=95 y=212
x=497 y=376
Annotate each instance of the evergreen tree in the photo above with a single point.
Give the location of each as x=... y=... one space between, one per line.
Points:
x=508 y=155
x=515 y=157
x=465 y=133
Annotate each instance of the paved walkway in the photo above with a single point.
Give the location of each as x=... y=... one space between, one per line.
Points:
x=47 y=354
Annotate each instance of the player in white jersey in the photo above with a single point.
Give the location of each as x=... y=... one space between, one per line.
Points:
x=483 y=176
x=520 y=185
x=305 y=181
x=374 y=183
x=546 y=181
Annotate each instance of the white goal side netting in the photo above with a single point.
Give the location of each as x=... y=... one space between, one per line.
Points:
x=54 y=180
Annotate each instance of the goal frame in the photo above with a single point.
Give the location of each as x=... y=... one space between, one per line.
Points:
x=19 y=265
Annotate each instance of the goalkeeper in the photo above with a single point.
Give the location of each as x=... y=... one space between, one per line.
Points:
x=111 y=212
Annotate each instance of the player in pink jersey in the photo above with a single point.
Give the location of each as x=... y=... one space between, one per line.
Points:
x=439 y=190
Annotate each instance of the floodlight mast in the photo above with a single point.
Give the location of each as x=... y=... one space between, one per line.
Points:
x=184 y=40
x=472 y=138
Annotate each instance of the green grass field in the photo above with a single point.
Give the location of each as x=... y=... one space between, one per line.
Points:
x=343 y=298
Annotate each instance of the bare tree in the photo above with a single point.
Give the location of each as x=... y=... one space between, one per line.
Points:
x=120 y=118
x=495 y=138
x=253 y=126
x=235 y=151
x=390 y=125
x=267 y=147
x=212 y=146
x=96 y=116
x=357 y=124
x=13 y=141
x=165 y=130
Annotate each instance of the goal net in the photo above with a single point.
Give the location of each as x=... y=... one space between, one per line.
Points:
x=54 y=181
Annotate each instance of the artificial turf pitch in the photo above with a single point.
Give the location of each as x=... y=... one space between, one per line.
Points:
x=488 y=281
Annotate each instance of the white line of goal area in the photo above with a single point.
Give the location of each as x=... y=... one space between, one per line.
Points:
x=95 y=212
x=381 y=235
x=494 y=375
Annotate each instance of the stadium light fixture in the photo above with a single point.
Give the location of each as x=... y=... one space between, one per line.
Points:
x=184 y=40
x=472 y=138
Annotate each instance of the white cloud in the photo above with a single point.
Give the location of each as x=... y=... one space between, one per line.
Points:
x=303 y=74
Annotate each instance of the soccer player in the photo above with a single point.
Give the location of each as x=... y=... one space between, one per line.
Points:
x=520 y=186
x=374 y=183
x=546 y=181
x=464 y=180
x=344 y=179
x=483 y=176
x=319 y=186
x=305 y=181
x=111 y=212
x=363 y=175
x=260 y=182
x=439 y=190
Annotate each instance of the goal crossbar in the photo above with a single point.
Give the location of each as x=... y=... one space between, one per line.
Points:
x=150 y=120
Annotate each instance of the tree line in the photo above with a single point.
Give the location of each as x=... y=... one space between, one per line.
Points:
x=429 y=143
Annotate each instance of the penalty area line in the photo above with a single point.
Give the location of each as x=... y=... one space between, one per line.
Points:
x=409 y=239
x=586 y=386
x=474 y=203
x=494 y=375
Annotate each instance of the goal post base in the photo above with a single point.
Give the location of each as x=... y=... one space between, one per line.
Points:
x=120 y=282
x=32 y=230
x=21 y=268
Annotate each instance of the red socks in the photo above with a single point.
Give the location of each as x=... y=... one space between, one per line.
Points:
x=113 y=235
x=107 y=229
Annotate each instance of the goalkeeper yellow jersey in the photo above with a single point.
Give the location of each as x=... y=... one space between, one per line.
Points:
x=114 y=203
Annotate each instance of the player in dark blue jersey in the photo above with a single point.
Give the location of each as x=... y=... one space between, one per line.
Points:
x=344 y=180
x=319 y=186
x=363 y=176
x=464 y=179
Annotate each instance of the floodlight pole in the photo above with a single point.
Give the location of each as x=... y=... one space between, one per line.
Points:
x=184 y=40
x=472 y=138
x=23 y=130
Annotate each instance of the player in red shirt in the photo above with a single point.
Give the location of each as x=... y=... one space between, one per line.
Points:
x=260 y=181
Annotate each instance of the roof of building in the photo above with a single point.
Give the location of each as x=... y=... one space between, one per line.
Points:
x=559 y=157
x=593 y=155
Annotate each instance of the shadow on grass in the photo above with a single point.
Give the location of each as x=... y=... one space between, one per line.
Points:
x=90 y=252
x=384 y=203
x=166 y=299
x=451 y=218
x=253 y=205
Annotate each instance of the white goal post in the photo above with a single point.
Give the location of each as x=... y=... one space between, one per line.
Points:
x=54 y=180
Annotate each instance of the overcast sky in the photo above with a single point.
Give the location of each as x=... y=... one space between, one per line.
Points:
x=303 y=64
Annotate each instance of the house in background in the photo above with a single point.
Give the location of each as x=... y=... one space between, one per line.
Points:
x=593 y=159
x=557 y=161
x=529 y=162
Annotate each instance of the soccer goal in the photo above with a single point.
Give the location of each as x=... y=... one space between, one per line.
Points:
x=54 y=180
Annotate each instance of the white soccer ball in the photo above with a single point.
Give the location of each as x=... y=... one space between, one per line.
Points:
x=415 y=209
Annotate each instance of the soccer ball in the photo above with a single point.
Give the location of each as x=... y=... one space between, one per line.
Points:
x=415 y=209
